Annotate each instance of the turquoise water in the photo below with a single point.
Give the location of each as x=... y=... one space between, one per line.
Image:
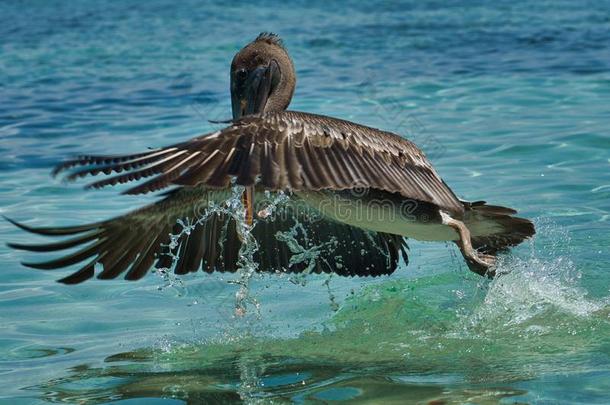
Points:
x=510 y=101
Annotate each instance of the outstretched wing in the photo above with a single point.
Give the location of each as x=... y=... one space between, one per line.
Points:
x=182 y=232
x=283 y=151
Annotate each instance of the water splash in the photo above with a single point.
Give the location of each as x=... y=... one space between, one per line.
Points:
x=332 y=299
x=247 y=264
x=303 y=253
x=545 y=283
x=231 y=206
x=536 y=286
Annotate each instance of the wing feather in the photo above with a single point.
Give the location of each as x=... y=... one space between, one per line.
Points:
x=133 y=243
x=286 y=151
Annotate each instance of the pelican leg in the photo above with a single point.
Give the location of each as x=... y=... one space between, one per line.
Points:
x=477 y=262
x=247 y=199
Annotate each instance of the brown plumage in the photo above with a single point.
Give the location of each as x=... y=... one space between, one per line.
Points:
x=131 y=244
x=284 y=150
x=319 y=162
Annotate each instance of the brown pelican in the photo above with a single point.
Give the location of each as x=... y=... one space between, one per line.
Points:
x=350 y=195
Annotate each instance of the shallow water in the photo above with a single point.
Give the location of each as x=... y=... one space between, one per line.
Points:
x=511 y=102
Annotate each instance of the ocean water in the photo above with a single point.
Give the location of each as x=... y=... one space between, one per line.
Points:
x=511 y=102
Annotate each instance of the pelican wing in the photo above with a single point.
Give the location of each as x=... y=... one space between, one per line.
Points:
x=283 y=151
x=181 y=232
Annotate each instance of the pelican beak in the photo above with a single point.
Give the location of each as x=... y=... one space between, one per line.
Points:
x=250 y=96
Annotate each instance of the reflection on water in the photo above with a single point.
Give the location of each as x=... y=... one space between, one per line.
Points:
x=266 y=380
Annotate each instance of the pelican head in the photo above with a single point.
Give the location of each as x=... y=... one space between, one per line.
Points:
x=262 y=77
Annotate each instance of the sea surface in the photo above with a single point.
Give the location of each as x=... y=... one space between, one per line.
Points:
x=509 y=99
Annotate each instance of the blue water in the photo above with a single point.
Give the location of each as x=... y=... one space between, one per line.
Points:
x=511 y=101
